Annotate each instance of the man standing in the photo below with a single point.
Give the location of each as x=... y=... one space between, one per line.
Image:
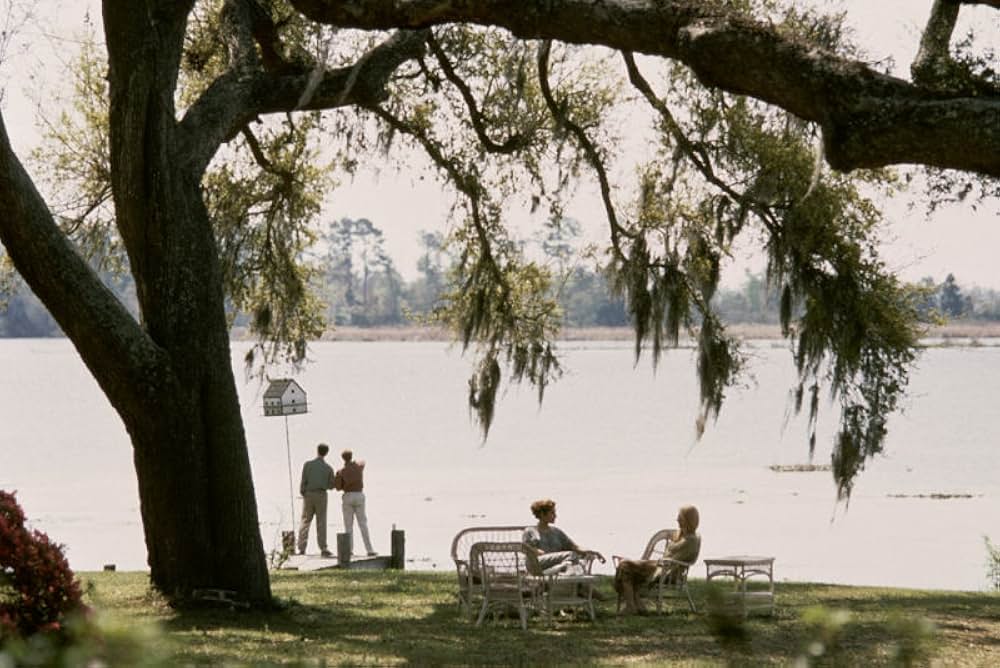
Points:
x=317 y=477
x=350 y=480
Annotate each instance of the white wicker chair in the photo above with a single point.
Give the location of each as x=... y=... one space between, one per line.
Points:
x=461 y=547
x=670 y=577
x=504 y=579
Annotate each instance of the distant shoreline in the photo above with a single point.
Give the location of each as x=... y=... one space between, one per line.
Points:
x=972 y=331
x=958 y=333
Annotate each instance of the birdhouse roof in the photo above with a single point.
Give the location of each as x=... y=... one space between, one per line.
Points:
x=277 y=388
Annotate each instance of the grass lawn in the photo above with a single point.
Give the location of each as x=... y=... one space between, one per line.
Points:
x=391 y=617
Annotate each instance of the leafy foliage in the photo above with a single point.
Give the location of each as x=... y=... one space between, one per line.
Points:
x=263 y=194
x=37 y=588
x=992 y=563
x=728 y=165
x=478 y=115
x=508 y=124
x=74 y=159
x=263 y=200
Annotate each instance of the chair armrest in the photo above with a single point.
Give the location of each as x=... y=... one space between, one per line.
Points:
x=587 y=558
x=676 y=562
x=666 y=566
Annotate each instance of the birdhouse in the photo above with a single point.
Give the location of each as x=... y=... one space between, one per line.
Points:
x=284 y=397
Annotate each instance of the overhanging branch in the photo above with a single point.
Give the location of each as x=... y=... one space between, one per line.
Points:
x=466 y=184
x=235 y=98
x=558 y=111
x=513 y=143
x=868 y=119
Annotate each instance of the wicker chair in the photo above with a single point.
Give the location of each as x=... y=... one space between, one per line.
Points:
x=559 y=589
x=502 y=570
x=509 y=577
x=670 y=577
x=469 y=582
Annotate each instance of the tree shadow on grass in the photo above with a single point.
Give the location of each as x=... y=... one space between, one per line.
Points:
x=309 y=633
x=373 y=619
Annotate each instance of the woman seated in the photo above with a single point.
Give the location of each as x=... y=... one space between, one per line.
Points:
x=556 y=551
x=633 y=574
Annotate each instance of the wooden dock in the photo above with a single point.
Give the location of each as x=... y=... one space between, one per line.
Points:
x=344 y=560
x=315 y=562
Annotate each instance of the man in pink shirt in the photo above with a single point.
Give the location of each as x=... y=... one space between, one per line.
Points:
x=350 y=480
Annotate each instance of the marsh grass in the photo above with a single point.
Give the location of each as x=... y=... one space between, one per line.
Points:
x=389 y=618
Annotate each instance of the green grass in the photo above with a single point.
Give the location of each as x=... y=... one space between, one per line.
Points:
x=387 y=618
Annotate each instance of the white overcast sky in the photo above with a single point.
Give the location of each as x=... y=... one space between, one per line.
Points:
x=954 y=239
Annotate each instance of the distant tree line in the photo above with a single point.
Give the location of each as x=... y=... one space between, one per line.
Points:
x=361 y=287
x=22 y=314
x=950 y=301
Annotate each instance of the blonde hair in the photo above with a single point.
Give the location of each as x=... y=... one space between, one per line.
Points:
x=688 y=515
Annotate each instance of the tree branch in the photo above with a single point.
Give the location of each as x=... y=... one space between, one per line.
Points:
x=257 y=18
x=511 y=144
x=467 y=185
x=558 y=112
x=932 y=61
x=258 y=155
x=696 y=152
x=237 y=21
x=111 y=343
x=236 y=98
x=868 y=119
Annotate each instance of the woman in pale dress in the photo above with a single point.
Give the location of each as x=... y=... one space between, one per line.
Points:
x=633 y=574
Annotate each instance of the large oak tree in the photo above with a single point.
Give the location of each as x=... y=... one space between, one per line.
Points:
x=507 y=100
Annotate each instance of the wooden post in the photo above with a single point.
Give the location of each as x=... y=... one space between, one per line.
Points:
x=343 y=548
x=398 y=556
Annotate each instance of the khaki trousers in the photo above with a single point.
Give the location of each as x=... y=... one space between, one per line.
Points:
x=353 y=507
x=313 y=504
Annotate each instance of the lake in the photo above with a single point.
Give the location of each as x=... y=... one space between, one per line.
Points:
x=613 y=444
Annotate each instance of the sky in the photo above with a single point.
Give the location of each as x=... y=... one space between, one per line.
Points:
x=954 y=239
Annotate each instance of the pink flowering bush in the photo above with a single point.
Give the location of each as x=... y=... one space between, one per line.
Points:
x=37 y=587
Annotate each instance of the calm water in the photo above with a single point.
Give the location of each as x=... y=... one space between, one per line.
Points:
x=612 y=443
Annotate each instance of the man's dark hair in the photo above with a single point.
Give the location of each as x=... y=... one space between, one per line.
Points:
x=322 y=449
x=347 y=455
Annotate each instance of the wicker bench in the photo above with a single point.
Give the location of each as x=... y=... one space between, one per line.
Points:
x=557 y=589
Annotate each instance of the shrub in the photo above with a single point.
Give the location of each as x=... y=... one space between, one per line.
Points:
x=992 y=563
x=37 y=587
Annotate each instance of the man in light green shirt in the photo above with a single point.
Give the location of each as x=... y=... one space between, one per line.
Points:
x=317 y=477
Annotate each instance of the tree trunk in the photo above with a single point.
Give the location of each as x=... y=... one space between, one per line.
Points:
x=198 y=506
